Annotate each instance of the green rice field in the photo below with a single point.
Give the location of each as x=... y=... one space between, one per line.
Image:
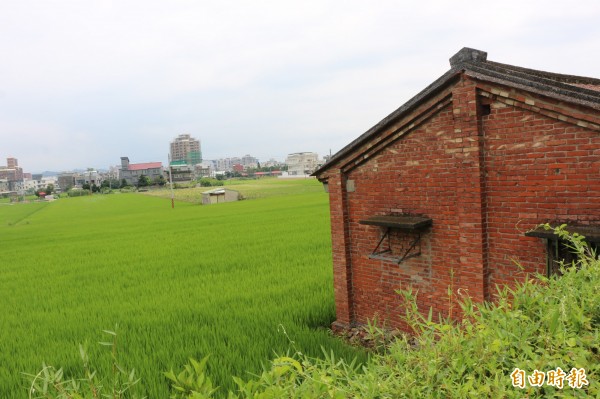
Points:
x=223 y=280
x=250 y=189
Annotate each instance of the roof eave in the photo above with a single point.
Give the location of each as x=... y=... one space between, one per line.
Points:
x=474 y=64
x=538 y=85
x=406 y=108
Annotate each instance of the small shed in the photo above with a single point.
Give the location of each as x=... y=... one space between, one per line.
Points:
x=218 y=195
x=441 y=193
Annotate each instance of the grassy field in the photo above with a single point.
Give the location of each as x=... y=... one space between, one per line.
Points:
x=222 y=280
x=250 y=189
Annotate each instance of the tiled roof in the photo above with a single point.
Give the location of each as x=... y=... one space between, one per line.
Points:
x=573 y=89
x=144 y=166
x=587 y=86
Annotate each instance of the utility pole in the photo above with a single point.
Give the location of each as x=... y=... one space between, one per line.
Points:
x=171 y=182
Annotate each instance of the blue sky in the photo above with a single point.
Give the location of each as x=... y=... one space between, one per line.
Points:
x=83 y=83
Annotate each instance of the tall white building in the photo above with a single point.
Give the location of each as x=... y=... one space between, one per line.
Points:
x=302 y=163
x=185 y=148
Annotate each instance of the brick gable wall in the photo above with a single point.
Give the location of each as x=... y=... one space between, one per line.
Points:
x=415 y=175
x=483 y=179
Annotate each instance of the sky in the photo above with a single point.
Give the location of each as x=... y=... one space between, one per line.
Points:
x=85 y=82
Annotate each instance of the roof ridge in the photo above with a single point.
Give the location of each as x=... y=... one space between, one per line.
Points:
x=561 y=77
x=539 y=81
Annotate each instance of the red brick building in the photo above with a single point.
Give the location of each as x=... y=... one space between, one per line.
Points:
x=442 y=191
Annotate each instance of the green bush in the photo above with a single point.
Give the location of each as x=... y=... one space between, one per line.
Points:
x=209 y=182
x=188 y=184
x=52 y=383
x=77 y=193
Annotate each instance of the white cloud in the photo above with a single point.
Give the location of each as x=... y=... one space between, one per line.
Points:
x=261 y=77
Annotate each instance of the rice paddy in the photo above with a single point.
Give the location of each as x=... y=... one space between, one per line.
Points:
x=225 y=280
x=250 y=189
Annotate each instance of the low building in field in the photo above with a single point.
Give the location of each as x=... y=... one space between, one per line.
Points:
x=219 y=195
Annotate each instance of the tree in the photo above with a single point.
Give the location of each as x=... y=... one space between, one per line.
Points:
x=143 y=181
x=124 y=183
x=47 y=191
x=160 y=180
x=110 y=183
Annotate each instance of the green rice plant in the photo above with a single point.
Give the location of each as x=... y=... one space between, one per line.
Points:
x=181 y=283
x=13 y=213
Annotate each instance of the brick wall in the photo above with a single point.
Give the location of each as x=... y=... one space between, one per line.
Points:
x=415 y=175
x=483 y=179
x=539 y=169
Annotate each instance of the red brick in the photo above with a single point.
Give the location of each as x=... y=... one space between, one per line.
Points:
x=483 y=182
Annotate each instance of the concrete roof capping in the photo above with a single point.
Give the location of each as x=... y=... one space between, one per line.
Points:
x=573 y=89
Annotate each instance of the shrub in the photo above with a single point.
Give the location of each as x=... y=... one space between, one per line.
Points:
x=77 y=193
x=51 y=383
x=209 y=182
x=180 y=185
x=192 y=382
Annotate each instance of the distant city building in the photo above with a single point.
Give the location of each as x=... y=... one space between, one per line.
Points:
x=12 y=163
x=302 y=163
x=131 y=172
x=37 y=182
x=113 y=173
x=248 y=161
x=12 y=173
x=4 y=187
x=227 y=164
x=212 y=165
x=181 y=171
x=186 y=148
x=271 y=163
x=205 y=169
x=91 y=177
x=66 y=181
